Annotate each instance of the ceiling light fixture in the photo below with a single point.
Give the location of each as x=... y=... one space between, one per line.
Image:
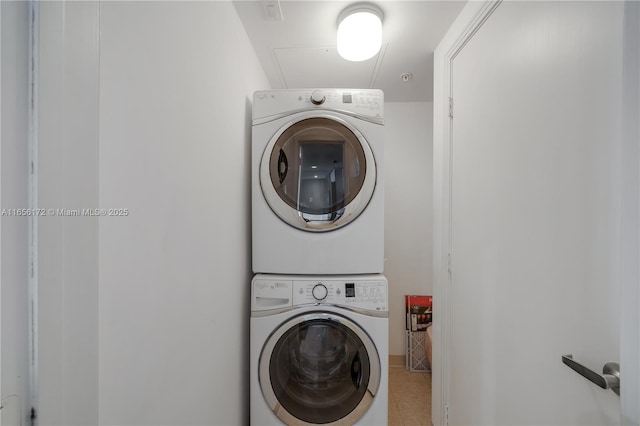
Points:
x=360 y=32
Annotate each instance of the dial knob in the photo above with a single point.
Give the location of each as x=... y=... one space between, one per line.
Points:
x=317 y=97
x=319 y=292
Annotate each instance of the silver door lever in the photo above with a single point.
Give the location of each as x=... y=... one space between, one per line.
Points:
x=609 y=379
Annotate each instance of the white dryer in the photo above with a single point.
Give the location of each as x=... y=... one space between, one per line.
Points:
x=317 y=182
x=319 y=350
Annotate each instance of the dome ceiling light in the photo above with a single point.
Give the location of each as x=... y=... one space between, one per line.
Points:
x=360 y=32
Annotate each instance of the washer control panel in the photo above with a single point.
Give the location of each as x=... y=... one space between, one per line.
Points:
x=362 y=294
x=365 y=292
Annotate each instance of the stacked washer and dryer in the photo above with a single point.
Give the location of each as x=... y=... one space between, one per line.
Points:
x=319 y=301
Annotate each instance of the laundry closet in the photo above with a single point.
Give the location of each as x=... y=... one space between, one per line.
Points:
x=148 y=107
x=112 y=289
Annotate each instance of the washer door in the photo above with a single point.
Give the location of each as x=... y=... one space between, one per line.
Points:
x=319 y=368
x=318 y=174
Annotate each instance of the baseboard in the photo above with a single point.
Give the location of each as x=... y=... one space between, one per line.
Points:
x=397 y=361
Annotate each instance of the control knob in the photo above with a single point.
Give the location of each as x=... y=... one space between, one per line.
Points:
x=319 y=291
x=317 y=97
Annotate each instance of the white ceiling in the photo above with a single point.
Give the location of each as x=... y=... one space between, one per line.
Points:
x=299 y=51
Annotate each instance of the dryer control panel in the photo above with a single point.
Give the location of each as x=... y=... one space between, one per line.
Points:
x=362 y=103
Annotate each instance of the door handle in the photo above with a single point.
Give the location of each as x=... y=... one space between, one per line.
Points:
x=609 y=379
x=283 y=166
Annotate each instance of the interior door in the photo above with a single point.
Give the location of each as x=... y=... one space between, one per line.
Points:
x=535 y=214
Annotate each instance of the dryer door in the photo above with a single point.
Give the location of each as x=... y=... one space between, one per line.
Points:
x=319 y=368
x=318 y=174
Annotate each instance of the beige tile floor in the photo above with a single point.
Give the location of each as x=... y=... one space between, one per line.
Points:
x=409 y=397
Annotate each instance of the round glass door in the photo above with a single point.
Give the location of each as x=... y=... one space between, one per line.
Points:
x=319 y=369
x=318 y=174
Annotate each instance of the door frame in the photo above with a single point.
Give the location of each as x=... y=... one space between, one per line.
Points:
x=630 y=244
x=468 y=22
x=472 y=17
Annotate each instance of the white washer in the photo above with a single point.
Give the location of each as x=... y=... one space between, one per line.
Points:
x=319 y=350
x=317 y=183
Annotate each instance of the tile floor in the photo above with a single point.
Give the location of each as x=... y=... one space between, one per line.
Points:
x=409 y=397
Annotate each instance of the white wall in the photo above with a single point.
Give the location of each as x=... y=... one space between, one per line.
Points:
x=67 y=165
x=145 y=106
x=175 y=83
x=408 y=209
x=14 y=73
